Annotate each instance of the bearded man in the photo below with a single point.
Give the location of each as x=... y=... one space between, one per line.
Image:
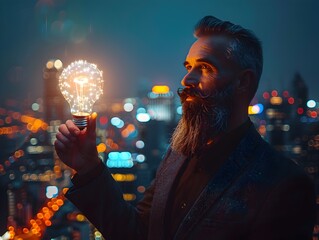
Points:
x=219 y=179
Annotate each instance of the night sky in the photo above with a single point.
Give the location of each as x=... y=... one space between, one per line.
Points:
x=138 y=43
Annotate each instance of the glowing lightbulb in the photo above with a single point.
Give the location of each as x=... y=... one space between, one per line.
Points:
x=81 y=84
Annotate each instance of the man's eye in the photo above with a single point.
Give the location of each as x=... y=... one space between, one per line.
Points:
x=205 y=66
x=188 y=67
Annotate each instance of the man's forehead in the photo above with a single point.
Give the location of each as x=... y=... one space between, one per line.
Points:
x=216 y=44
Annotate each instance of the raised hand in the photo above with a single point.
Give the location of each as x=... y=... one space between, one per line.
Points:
x=77 y=148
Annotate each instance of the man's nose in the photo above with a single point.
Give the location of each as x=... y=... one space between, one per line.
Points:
x=191 y=79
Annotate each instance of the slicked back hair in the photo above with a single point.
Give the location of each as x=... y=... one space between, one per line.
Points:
x=245 y=47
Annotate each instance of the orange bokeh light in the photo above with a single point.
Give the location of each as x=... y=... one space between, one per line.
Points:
x=55 y=207
x=64 y=190
x=101 y=147
x=48 y=223
x=59 y=202
x=45 y=209
x=160 y=89
x=47 y=215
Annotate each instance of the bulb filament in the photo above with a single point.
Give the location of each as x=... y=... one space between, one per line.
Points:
x=80 y=83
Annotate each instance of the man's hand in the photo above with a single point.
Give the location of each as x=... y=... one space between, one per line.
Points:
x=77 y=148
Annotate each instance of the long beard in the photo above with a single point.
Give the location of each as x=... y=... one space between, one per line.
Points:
x=204 y=118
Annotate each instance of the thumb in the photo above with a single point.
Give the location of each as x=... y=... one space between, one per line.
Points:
x=92 y=123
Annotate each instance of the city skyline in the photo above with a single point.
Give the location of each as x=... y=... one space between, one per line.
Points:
x=275 y=116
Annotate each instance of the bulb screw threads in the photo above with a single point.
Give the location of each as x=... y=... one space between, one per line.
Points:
x=80 y=121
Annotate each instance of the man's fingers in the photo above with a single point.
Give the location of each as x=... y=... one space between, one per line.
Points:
x=59 y=146
x=92 y=123
x=72 y=128
x=64 y=130
x=65 y=140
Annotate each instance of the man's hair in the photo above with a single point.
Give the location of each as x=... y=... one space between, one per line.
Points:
x=245 y=48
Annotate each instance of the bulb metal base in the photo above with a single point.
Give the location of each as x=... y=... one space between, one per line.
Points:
x=80 y=121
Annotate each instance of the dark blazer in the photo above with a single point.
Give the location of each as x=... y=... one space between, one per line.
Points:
x=256 y=194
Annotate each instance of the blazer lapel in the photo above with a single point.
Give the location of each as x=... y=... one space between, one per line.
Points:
x=164 y=183
x=230 y=170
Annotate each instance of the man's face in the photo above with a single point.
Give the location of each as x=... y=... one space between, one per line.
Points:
x=210 y=65
x=208 y=94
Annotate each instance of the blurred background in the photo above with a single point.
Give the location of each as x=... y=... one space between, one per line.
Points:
x=140 y=46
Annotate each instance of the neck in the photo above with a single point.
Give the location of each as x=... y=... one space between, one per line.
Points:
x=236 y=121
x=239 y=114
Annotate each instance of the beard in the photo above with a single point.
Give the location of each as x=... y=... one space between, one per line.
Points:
x=204 y=118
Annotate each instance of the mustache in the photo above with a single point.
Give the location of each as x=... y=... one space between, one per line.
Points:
x=212 y=96
x=184 y=93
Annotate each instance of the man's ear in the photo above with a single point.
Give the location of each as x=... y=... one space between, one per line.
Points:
x=247 y=81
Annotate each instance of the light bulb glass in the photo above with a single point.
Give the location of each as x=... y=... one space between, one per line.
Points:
x=81 y=84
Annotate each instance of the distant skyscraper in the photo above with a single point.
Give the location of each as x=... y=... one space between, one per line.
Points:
x=299 y=91
x=277 y=115
x=161 y=104
x=54 y=103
